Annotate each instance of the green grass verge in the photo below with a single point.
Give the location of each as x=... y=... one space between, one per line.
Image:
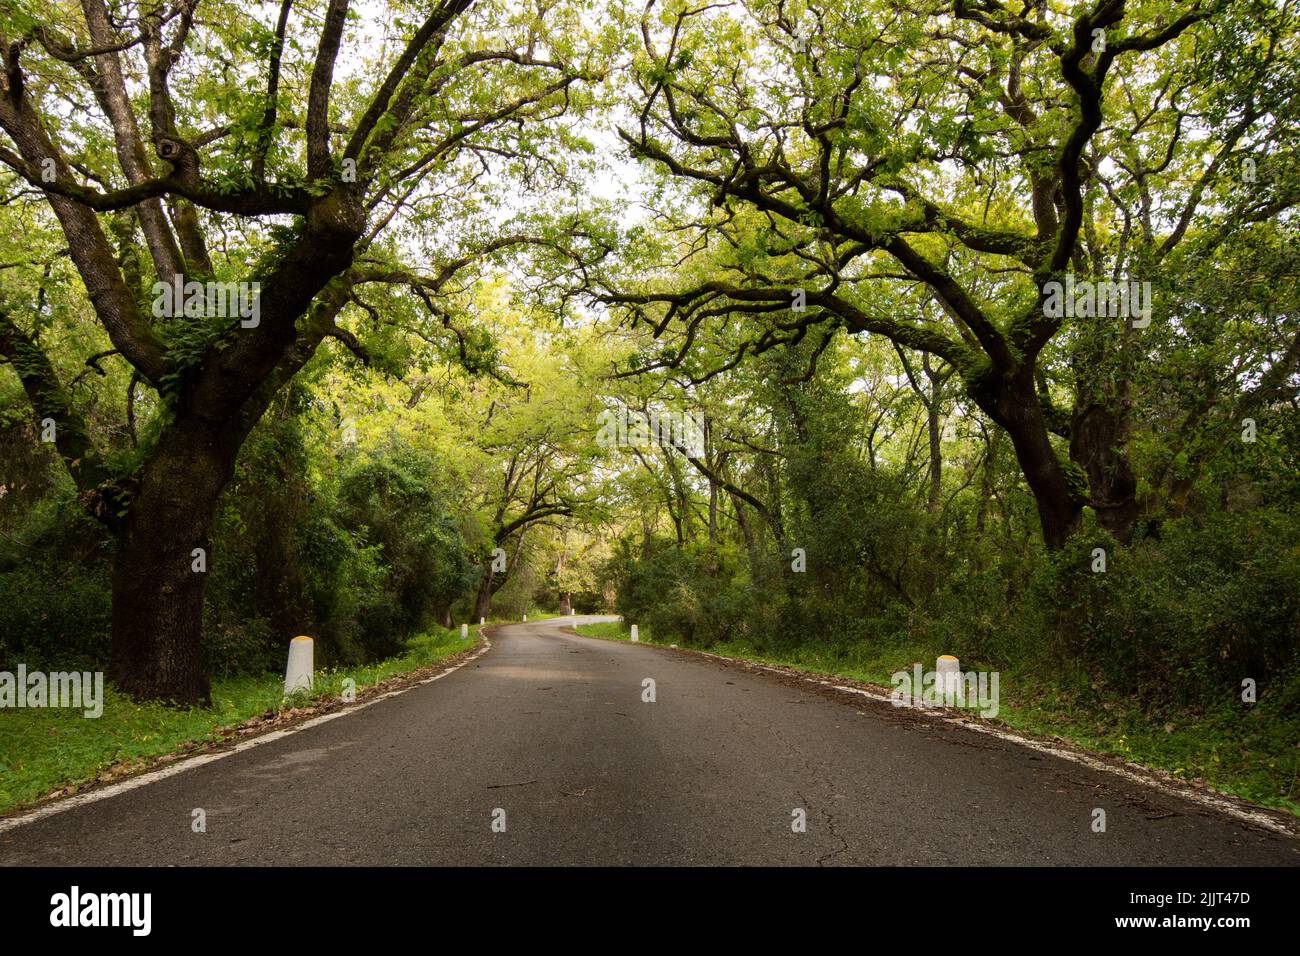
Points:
x=537 y=615
x=43 y=750
x=1250 y=752
x=614 y=631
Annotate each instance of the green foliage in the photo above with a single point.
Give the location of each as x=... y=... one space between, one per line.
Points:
x=359 y=566
x=1184 y=619
x=696 y=593
x=359 y=562
x=55 y=605
x=393 y=505
x=53 y=618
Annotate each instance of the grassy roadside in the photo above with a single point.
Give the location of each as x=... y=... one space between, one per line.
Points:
x=536 y=614
x=1250 y=753
x=50 y=749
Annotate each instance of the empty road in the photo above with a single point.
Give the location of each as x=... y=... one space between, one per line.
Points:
x=548 y=736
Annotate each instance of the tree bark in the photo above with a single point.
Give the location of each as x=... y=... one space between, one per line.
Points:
x=1013 y=403
x=483 y=603
x=157 y=646
x=1097 y=443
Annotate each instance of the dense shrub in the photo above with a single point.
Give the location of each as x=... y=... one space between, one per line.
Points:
x=1188 y=617
x=695 y=593
x=393 y=505
x=359 y=563
x=54 y=618
x=1181 y=620
x=55 y=600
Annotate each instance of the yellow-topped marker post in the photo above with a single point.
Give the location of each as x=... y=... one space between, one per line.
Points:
x=948 y=682
x=299 y=672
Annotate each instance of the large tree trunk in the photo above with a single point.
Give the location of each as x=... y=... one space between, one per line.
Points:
x=1014 y=405
x=158 y=650
x=1060 y=506
x=1098 y=443
x=1099 y=433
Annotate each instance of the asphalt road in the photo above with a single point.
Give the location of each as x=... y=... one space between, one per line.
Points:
x=552 y=729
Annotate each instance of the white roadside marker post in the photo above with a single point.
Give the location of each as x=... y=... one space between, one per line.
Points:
x=635 y=637
x=525 y=618
x=482 y=621
x=948 y=681
x=299 y=673
x=464 y=631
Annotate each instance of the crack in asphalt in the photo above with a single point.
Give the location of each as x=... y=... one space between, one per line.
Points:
x=829 y=786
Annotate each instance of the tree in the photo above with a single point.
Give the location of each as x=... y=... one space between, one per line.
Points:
x=535 y=439
x=210 y=156
x=928 y=178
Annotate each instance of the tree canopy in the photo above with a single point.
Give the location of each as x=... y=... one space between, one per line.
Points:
x=862 y=320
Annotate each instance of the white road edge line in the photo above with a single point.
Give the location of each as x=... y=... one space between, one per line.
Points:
x=1132 y=772
x=198 y=760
